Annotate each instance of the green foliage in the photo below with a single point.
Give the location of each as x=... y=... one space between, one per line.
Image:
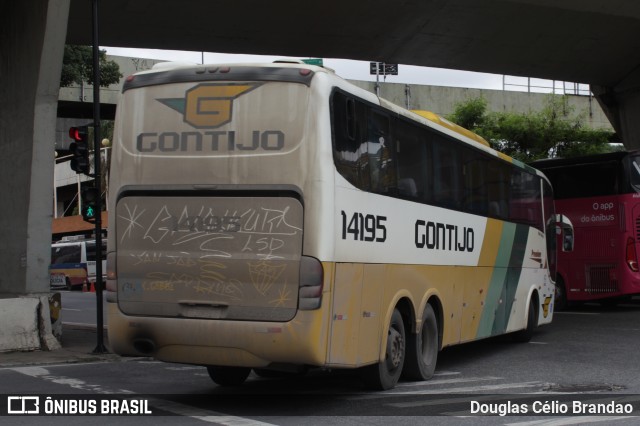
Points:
x=552 y=132
x=77 y=67
x=470 y=114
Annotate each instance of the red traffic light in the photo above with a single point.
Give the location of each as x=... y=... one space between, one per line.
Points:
x=78 y=133
x=80 y=149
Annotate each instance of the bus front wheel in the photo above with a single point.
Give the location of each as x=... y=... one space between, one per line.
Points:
x=422 y=349
x=228 y=376
x=524 y=336
x=386 y=373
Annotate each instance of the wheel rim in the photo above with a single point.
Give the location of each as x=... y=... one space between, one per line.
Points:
x=395 y=348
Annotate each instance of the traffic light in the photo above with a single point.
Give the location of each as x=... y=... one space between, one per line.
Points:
x=90 y=197
x=80 y=149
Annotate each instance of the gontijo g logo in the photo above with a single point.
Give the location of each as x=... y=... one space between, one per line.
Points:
x=205 y=107
x=208 y=106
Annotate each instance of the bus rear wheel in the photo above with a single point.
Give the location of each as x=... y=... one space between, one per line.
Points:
x=228 y=376
x=422 y=349
x=386 y=373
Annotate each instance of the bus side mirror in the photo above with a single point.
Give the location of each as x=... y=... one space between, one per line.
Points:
x=564 y=228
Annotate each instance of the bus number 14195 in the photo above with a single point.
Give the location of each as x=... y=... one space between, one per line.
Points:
x=364 y=227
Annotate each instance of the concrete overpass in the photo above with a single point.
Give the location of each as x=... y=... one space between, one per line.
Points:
x=584 y=41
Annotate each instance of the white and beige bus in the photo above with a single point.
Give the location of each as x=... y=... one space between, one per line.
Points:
x=276 y=216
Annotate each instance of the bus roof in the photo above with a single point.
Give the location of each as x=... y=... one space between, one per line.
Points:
x=179 y=72
x=593 y=158
x=291 y=70
x=453 y=126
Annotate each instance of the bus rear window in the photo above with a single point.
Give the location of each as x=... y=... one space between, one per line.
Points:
x=585 y=180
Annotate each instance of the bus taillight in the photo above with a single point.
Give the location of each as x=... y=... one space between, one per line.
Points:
x=311 y=283
x=632 y=258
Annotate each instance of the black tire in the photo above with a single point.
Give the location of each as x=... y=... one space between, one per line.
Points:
x=422 y=348
x=386 y=373
x=228 y=376
x=561 y=295
x=524 y=336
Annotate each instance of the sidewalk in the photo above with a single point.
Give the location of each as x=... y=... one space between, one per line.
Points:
x=78 y=343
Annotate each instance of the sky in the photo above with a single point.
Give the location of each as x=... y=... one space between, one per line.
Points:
x=358 y=70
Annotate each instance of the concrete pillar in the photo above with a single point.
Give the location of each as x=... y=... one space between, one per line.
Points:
x=621 y=103
x=32 y=37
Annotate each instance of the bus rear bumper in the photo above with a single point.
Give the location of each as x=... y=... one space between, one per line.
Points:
x=214 y=342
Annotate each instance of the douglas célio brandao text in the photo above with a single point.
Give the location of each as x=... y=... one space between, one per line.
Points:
x=550 y=407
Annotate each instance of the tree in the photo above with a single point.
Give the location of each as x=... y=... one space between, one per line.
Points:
x=552 y=132
x=77 y=67
x=471 y=114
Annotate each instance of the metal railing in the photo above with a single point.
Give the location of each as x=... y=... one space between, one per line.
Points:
x=531 y=85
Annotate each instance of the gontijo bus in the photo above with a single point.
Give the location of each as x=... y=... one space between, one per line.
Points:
x=600 y=194
x=276 y=215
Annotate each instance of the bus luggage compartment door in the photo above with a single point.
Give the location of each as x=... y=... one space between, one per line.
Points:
x=210 y=257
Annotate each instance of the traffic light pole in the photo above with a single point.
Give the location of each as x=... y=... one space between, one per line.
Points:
x=100 y=347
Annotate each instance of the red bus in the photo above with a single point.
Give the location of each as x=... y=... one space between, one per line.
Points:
x=601 y=196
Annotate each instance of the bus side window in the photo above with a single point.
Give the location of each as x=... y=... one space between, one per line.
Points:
x=526 y=203
x=349 y=145
x=413 y=164
x=475 y=183
x=446 y=180
x=350 y=114
x=380 y=152
x=498 y=183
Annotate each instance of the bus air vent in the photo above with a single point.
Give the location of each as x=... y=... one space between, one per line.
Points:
x=601 y=279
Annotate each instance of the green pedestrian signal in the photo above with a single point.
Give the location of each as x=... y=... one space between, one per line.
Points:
x=90 y=198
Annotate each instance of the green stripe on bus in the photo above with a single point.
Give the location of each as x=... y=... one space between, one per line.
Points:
x=504 y=280
x=513 y=274
x=492 y=305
